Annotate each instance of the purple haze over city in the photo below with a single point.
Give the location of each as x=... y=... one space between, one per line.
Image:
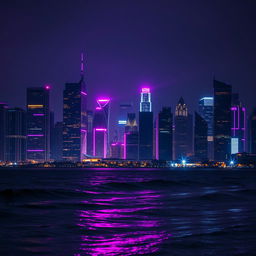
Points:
x=173 y=46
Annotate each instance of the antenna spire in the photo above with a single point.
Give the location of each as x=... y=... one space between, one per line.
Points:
x=82 y=64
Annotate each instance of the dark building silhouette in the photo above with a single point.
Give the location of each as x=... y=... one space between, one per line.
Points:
x=183 y=134
x=252 y=136
x=131 y=138
x=164 y=135
x=75 y=119
x=3 y=109
x=200 y=138
x=57 y=141
x=38 y=124
x=145 y=126
x=206 y=112
x=222 y=120
x=15 y=135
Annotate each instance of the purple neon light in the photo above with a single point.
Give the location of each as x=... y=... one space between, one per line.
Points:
x=35 y=135
x=38 y=114
x=83 y=130
x=98 y=108
x=84 y=93
x=47 y=87
x=100 y=129
x=104 y=142
x=103 y=102
x=35 y=150
x=145 y=90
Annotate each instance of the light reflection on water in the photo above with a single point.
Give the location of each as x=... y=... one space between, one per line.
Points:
x=122 y=223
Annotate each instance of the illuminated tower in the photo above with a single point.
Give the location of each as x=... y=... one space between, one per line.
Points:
x=238 y=130
x=222 y=120
x=38 y=124
x=164 y=135
x=183 y=134
x=101 y=128
x=206 y=112
x=75 y=119
x=145 y=126
x=15 y=135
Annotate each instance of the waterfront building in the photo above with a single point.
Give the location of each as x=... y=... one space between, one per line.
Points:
x=222 y=120
x=89 y=132
x=116 y=150
x=163 y=138
x=252 y=123
x=75 y=119
x=101 y=128
x=38 y=124
x=238 y=130
x=57 y=141
x=183 y=134
x=200 y=138
x=145 y=126
x=3 y=109
x=206 y=112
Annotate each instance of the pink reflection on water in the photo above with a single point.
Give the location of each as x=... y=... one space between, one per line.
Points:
x=121 y=223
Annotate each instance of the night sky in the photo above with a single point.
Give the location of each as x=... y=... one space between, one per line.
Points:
x=174 y=46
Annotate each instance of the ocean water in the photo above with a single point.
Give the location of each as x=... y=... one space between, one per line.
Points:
x=127 y=212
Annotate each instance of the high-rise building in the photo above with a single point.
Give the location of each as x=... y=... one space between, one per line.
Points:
x=183 y=133
x=164 y=136
x=116 y=150
x=131 y=138
x=75 y=119
x=89 y=132
x=238 y=130
x=101 y=128
x=206 y=112
x=57 y=141
x=15 y=135
x=38 y=124
x=3 y=109
x=124 y=109
x=145 y=126
x=252 y=135
x=200 y=138
x=222 y=120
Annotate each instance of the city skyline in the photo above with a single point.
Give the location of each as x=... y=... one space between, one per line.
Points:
x=179 y=62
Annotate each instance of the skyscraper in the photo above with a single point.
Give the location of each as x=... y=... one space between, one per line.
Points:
x=164 y=135
x=222 y=120
x=89 y=132
x=200 y=138
x=124 y=109
x=131 y=138
x=206 y=112
x=253 y=132
x=101 y=128
x=3 y=109
x=183 y=133
x=75 y=119
x=15 y=135
x=145 y=126
x=238 y=133
x=38 y=124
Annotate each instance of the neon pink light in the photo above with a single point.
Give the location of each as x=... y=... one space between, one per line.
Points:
x=104 y=142
x=233 y=108
x=98 y=108
x=94 y=143
x=157 y=138
x=145 y=90
x=38 y=114
x=84 y=93
x=35 y=150
x=47 y=87
x=35 y=135
x=103 y=102
x=125 y=144
x=100 y=129
x=83 y=130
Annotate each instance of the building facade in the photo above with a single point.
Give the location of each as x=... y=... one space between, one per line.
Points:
x=222 y=120
x=3 y=110
x=38 y=124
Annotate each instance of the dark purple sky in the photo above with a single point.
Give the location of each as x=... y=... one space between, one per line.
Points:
x=176 y=46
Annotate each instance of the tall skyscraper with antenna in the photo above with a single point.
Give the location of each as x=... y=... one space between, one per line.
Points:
x=75 y=119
